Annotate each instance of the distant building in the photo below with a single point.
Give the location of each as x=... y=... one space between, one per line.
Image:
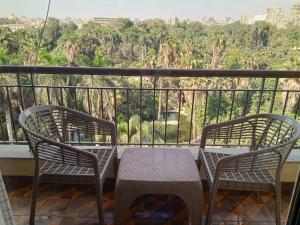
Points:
x=105 y=21
x=229 y=20
x=78 y=22
x=275 y=16
x=258 y=18
x=246 y=19
x=171 y=115
x=15 y=23
x=295 y=14
x=253 y=19
x=208 y=21
x=67 y=20
x=174 y=20
x=13 y=27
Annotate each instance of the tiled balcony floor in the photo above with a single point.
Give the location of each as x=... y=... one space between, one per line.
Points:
x=75 y=204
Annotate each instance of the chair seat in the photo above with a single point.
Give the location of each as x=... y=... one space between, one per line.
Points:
x=54 y=168
x=258 y=180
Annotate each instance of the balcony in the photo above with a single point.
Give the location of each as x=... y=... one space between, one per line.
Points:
x=151 y=107
x=69 y=204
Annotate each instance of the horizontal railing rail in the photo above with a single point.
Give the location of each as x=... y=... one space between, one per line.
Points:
x=149 y=72
x=149 y=106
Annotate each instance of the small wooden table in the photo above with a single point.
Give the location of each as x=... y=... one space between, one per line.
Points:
x=158 y=171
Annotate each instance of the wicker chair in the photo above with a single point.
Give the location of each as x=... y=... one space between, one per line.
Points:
x=267 y=140
x=6 y=215
x=52 y=133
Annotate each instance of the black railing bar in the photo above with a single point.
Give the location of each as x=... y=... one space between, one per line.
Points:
x=218 y=112
x=11 y=115
x=205 y=107
x=48 y=96
x=75 y=99
x=149 y=72
x=244 y=114
x=260 y=94
x=231 y=111
x=151 y=89
x=297 y=108
x=232 y=104
x=153 y=121
x=219 y=104
x=127 y=114
x=102 y=108
x=32 y=86
x=76 y=107
x=115 y=113
x=88 y=100
x=61 y=96
x=166 y=115
x=20 y=91
x=274 y=95
x=141 y=101
x=246 y=103
x=178 y=117
x=192 y=114
x=285 y=102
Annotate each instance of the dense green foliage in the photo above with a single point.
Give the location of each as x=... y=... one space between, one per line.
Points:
x=155 y=44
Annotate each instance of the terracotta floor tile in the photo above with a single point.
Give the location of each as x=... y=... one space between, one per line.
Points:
x=76 y=205
x=54 y=207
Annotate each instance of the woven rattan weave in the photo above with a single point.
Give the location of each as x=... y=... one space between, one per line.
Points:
x=54 y=134
x=269 y=139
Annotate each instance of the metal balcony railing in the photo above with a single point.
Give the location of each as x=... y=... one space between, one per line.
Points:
x=149 y=106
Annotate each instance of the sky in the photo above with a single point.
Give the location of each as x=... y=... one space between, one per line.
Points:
x=141 y=9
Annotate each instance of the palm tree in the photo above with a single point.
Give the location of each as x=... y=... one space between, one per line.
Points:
x=145 y=131
x=219 y=47
x=13 y=50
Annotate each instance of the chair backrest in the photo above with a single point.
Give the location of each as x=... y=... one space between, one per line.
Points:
x=270 y=139
x=277 y=131
x=42 y=122
x=275 y=134
x=52 y=124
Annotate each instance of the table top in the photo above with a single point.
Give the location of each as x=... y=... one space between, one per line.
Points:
x=158 y=165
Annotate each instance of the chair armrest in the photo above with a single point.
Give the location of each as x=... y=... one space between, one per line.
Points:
x=268 y=158
x=48 y=149
x=242 y=128
x=76 y=121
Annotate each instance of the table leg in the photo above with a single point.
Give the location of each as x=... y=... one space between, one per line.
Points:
x=123 y=200
x=193 y=198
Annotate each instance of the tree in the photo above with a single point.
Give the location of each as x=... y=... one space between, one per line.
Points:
x=219 y=46
x=52 y=33
x=261 y=33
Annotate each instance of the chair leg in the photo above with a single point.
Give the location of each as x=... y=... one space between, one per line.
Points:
x=116 y=165
x=35 y=187
x=199 y=163
x=99 y=203
x=278 y=203
x=211 y=204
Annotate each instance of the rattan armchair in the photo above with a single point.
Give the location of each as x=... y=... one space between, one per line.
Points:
x=54 y=134
x=267 y=140
x=6 y=215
